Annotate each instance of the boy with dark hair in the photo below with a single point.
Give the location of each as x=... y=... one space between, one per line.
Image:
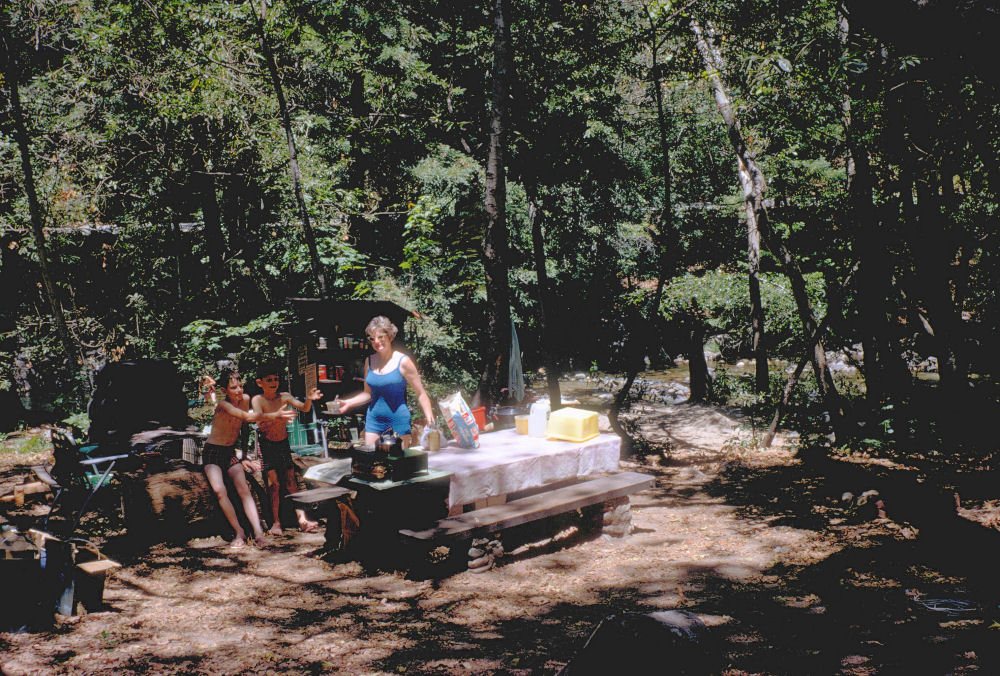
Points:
x=219 y=454
x=276 y=454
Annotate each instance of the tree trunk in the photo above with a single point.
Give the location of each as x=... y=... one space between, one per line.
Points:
x=667 y=238
x=494 y=247
x=884 y=371
x=758 y=348
x=779 y=409
x=361 y=231
x=786 y=396
x=614 y=413
x=714 y=66
x=753 y=186
x=175 y=244
x=544 y=299
x=215 y=242
x=933 y=252
x=236 y=215
x=293 y=157
x=71 y=346
x=694 y=332
x=667 y=242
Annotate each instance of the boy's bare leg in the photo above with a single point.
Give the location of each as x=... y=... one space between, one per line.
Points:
x=274 y=497
x=292 y=486
x=215 y=479
x=238 y=476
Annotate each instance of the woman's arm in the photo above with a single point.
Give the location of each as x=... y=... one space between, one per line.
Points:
x=409 y=371
x=359 y=399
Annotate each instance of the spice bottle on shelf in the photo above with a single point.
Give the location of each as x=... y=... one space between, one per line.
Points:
x=321 y=371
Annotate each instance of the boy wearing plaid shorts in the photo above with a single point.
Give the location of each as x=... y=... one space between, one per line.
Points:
x=276 y=454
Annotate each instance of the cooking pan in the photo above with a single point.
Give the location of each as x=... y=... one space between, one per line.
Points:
x=503 y=416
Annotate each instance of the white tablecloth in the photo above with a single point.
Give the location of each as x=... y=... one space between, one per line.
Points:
x=506 y=462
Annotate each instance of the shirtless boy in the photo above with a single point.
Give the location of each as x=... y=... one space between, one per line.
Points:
x=219 y=454
x=274 y=449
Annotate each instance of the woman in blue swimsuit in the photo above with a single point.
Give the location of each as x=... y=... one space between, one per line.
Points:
x=387 y=372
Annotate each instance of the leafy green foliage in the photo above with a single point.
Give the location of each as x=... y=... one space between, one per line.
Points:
x=162 y=168
x=724 y=297
x=206 y=340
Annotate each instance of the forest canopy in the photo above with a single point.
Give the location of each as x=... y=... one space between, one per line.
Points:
x=624 y=179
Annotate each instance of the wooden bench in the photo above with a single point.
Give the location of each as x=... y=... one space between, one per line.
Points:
x=325 y=500
x=316 y=498
x=611 y=492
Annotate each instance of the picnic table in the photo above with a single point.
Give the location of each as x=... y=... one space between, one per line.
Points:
x=507 y=462
x=509 y=481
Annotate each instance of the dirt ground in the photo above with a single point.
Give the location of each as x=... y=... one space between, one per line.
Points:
x=790 y=575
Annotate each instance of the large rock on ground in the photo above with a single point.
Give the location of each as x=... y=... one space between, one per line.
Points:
x=666 y=642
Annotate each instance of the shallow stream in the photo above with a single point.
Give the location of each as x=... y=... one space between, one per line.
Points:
x=594 y=389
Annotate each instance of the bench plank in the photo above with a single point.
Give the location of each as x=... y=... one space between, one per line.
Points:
x=534 y=507
x=319 y=496
x=98 y=567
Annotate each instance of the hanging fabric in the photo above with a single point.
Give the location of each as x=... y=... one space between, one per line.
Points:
x=515 y=374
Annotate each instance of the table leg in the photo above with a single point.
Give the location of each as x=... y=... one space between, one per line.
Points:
x=383 y=513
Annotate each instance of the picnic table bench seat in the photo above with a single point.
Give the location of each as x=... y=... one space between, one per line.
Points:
x=325 y=500
x=611 y=492
x=316 y=498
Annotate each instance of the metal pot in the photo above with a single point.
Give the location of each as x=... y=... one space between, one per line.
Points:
x=503 y=416
x=389 y=444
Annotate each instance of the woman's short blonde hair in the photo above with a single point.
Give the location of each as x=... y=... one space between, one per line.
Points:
x=382 y=324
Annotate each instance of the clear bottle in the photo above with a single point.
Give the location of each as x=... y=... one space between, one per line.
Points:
x=538 y=419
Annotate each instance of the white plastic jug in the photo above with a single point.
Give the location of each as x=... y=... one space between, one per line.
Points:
x=538 y=418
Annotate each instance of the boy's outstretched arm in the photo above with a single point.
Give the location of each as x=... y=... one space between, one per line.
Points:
x=258 y=407
x=257 y=415
x=227 y=407
x=314 y=395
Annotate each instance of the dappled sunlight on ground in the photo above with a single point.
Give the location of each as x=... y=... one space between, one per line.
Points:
x=757 y=542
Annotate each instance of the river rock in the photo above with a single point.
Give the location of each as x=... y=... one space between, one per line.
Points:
x=481 y=561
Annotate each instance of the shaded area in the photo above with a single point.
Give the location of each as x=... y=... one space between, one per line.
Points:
x=789 y=576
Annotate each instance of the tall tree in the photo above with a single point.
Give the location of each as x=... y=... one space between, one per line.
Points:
x=12 y=74
x=494 y=244
x=545 y=301
x=293 y=155
x=755 y=185
x=203 y=184
x=884 y=370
